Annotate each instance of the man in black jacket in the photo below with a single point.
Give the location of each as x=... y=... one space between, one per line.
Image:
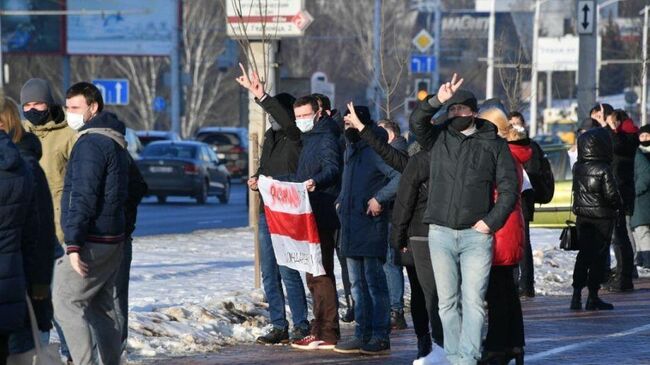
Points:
x=468 y=162
x=279 y=160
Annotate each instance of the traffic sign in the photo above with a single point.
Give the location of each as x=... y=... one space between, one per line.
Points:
x=423 y=41
x=159 y=104
x=422 y=63
x=114 y=91
x=321 y=85
x=273 y=19
x=586 y=17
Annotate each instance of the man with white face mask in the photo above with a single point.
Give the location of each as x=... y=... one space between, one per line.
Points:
x=319 y=167
x=93 y=220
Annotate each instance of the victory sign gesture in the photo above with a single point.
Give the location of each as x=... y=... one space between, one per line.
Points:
x=448 y=89
x=252 y=83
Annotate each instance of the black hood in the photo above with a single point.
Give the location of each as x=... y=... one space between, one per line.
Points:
x=326 y=125
x=30 y=146
x=105 y=120
x=595 y=145
x=9 y=157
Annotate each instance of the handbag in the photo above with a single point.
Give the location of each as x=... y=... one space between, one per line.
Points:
x=49 y=355
x=569 y=237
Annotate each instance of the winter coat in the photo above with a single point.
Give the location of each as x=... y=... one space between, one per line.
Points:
x=595 y=192
x=464 y=171
x=534 y=170
x=641 y=216
x=281 y=149
x=95 y=189
x=509 y=240
x=625 y=141
x=395 y=157
x=16 y=199
x=137 y=189
x=321 y=160
x=411 y=202
x=57 y=140
x=365 y=176
x=38 y=259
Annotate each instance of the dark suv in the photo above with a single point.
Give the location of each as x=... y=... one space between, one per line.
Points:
x=230 y=144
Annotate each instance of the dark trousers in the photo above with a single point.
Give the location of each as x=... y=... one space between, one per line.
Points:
x=421 y=257
x=526 y=267
x=122 y=290
x=594 y=236
x=345 y=275
x=4 y=349
x=418 y=304
x=325 y=325
x=505 y=320
x=623 y=251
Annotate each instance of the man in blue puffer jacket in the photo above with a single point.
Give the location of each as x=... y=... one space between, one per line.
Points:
x=92 y=206
x=16 y=203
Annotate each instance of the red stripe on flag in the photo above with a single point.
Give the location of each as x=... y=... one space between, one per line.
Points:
x=260 y=19
x=299 y=227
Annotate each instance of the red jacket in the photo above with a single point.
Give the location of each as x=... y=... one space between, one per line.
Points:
x=508 y=244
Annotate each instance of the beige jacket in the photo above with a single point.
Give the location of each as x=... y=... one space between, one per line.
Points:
x=57 y=140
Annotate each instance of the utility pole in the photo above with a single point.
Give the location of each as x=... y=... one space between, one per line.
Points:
x=175 y=73
x=533 y=72
x=489 y=82
x=644 y=73
x=587 y=25
x=377 y=57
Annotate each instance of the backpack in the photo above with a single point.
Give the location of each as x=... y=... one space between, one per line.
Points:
x=544 y=183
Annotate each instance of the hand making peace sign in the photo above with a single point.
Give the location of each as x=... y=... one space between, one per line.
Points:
x=252 y=84
x=448 y=89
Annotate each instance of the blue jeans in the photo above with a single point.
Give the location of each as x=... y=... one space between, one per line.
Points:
x=273 y=276
x=22 y=341
x=371 y=302
x=461 y=261
x=395 y=280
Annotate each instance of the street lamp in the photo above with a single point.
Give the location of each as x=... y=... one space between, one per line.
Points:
x=599 y=55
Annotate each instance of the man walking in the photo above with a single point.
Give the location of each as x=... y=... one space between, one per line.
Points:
x=468 y=160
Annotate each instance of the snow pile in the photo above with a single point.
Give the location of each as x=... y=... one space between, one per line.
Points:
x=193 y=292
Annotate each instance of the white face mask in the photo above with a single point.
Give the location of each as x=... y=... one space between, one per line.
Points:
x=75 y=121
x=305 y=124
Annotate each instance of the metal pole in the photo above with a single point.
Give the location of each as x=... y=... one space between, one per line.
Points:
x=436 y=45
x=376 y=56
x=644 y=73
x=489 y=82
x=587 y=68
x=175 y=65
x=599 y=56
x=549 y=89
x=2 y=65
x=533 y=70
x=66 y=73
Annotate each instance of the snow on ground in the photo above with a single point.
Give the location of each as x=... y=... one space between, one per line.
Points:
x=194 y=292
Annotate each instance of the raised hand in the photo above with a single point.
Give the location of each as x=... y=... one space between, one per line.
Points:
x=253 y=83
x=352 y=119
x=448 y=89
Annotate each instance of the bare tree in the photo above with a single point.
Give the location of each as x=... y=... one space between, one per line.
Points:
x=144 y=75
x=203 y=39
x=511 y=74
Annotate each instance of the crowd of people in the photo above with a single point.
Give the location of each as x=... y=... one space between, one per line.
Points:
x=69 y=192
x=453 y=208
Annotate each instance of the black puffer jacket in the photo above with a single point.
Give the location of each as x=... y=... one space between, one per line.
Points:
x=411 y=201
x=595 y=192
x=464 y=171
x=624 y=146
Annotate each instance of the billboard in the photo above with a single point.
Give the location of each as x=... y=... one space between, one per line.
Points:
x=270 y=19
x=144 y=27
x=557 y=54
x=31 y=33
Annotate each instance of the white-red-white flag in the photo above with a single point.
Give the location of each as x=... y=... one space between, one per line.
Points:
x=292 y=225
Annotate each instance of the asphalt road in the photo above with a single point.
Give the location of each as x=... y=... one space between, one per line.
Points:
x=183 y=215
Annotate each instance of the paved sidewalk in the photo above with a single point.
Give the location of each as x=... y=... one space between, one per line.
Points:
x=554 y=335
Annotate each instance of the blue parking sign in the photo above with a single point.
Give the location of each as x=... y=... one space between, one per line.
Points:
x=114 y=91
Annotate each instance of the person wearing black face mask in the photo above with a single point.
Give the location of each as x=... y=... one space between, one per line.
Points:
x=468 y=160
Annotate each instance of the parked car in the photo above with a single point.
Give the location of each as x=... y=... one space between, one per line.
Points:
x=147 y=137
x=134 y=146
x=230 y=144
x=185 y=168
x=558 y=210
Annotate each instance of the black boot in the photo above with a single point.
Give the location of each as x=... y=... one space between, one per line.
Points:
x=576 y=300
x=397 y=320
x=349 y=311
x=275 y=335
x=515 y=353
x=424 y=345
x=595 y=303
